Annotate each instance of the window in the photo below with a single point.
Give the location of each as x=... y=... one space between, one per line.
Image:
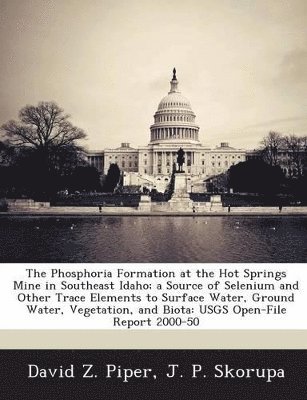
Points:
x=203 y=162
x=130 y=164
x=123 y=164
x=145 y=162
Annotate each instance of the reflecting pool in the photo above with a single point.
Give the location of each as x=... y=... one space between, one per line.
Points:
x=153 y=239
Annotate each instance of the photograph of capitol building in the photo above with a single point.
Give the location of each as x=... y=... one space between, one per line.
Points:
x=153 y=131
x=174 y=127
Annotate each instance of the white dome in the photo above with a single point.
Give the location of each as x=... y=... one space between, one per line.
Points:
x=174 y=100
x=174 y=121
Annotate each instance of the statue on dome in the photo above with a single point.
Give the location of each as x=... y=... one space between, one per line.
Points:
x=174 y=74
x=180 y=159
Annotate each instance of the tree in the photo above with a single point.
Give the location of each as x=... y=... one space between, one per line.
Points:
x=270 y=146
x=255 y=176
x=304 y=144
x=8 y=154
x=43 y=127
x=297 y=154
x=47 y=144
x=84 y=178
x=112 y=178
x=3 y=153
x=219 y=183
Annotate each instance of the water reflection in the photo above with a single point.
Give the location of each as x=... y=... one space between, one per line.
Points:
x=153 y=239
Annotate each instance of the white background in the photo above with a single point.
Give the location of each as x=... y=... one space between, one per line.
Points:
x=14 y=314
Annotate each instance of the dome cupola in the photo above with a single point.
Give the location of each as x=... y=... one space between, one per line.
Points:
x=174 y=119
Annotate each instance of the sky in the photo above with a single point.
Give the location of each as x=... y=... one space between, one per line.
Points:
x=108 y=63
